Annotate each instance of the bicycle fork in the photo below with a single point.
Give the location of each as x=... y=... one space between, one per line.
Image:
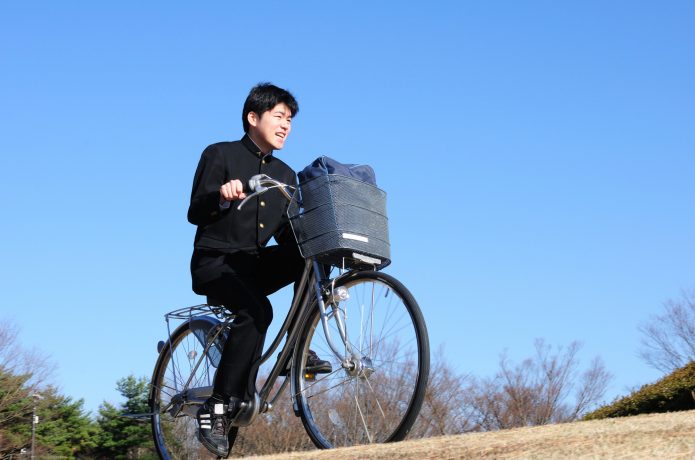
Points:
x=350 y=359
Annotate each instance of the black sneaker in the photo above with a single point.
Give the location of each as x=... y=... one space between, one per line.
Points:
x=314 y=365
x=213 y=427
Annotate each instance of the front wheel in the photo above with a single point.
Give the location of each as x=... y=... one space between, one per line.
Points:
x=376 y=387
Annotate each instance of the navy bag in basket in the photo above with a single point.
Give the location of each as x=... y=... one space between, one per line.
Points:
x=338 y=215
x=324 y=165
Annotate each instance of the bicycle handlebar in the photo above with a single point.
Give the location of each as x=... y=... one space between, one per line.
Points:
x=261 y=183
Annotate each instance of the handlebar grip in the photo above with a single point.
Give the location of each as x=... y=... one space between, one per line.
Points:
x=255 y=182
x=255 y=187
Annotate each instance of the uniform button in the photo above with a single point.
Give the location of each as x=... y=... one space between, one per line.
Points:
x=261 y=225
x=262 y=203
x=263 y=161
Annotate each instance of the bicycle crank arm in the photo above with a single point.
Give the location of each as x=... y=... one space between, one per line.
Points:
x=188 y=402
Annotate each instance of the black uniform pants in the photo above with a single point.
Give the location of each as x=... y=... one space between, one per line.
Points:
x=246 y=281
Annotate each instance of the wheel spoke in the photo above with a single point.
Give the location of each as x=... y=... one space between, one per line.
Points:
x=364 y=422
x=376 y=399
x=313 y=395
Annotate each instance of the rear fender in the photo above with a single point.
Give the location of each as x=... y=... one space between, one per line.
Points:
x=202 y=327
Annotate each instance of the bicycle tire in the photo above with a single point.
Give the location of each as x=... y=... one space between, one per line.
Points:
x=175 y=434
x=381 y=402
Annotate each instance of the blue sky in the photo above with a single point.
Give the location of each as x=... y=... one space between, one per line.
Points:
x=538 y=158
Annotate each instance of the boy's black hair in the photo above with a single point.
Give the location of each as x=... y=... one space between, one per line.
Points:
x=265 y=96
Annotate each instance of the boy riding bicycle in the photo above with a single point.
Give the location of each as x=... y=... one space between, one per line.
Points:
x=231 y=263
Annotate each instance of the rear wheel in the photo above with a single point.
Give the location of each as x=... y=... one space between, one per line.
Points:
x=377 y=396
x=174 y=426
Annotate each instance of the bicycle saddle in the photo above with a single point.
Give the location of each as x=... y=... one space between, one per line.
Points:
x=214 y=301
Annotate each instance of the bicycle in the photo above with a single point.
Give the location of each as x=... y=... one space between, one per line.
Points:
x=371 y=330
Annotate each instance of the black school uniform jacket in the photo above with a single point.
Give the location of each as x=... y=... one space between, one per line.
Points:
x=230 y=230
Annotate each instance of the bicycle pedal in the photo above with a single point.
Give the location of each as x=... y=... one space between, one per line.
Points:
x=310 y=377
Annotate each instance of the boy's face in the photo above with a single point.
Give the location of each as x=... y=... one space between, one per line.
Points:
x=270 y=130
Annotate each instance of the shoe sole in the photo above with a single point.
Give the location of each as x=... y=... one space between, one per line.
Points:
x=210 y=447
x=323 y=369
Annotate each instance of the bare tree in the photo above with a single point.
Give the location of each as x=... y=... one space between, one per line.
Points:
x=547 y=388
x=22 y=374
x=445 y=410
x=668 y=341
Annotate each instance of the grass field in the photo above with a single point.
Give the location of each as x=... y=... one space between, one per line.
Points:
x=653 y=436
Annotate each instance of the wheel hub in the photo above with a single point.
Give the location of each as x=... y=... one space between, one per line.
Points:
x=362 y=368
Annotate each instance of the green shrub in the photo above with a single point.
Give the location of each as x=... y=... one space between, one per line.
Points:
x=675 y=392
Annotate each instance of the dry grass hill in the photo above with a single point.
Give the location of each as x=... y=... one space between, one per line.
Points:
x=654 y=436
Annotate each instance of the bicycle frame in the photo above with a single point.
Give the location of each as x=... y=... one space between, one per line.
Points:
x=188 y=399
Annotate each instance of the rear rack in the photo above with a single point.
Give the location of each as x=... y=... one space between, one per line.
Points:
x=198 y=310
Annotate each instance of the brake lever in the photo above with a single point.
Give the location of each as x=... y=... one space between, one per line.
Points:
x=255 y=184
x=259 y=189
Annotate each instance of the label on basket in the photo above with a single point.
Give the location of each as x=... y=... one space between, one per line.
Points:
x=352 y=236
x=363 y=258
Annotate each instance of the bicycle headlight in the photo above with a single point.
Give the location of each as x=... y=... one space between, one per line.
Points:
x=340 y=293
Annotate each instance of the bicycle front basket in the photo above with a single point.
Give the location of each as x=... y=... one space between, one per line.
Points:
x=341 y=221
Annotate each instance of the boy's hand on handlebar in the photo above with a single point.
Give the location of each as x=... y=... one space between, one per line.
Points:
x=232 y=190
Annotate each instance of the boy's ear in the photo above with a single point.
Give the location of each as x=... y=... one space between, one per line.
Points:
x=252 y=118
